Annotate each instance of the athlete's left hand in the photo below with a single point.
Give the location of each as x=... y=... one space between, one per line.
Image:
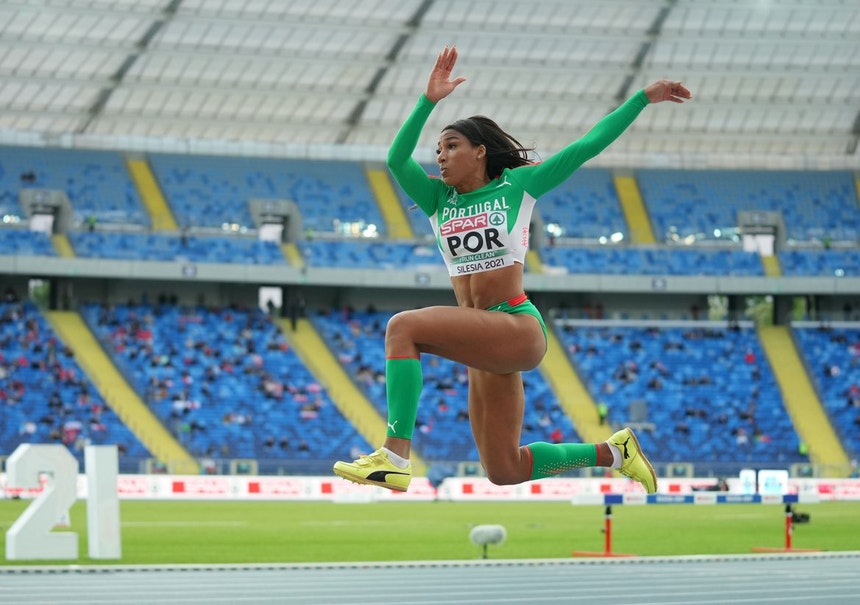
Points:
x=667 y=90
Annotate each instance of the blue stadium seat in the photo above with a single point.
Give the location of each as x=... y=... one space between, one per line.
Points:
x=820 y=263
x=224 y=381
x=626 y=260
x=832 y=355
x=585 y=206
x=45 y=397
x=24 y=242
x=170 y=248
x=371 y=254
x=707 y=401
x=97 y=183
x=210 y=191
x=815 y=205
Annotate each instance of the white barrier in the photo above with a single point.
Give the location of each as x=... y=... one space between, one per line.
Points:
x=334 y=489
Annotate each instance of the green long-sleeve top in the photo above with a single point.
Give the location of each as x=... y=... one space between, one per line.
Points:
x=487 y=228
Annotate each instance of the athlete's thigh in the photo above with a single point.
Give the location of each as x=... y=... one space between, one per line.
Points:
x=496 y=407
x=488 y=340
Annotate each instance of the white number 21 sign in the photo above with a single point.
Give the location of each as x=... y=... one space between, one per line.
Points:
x=31 y=535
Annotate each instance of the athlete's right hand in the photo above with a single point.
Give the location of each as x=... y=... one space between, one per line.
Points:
x=440 y=84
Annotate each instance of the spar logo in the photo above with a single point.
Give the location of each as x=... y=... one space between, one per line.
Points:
x=471 y=234
x=458 y=225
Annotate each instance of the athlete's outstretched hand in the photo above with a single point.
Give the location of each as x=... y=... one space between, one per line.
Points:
x=440 y=84
x=667 y=90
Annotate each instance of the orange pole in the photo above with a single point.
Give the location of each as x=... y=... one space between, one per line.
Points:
x=608 y=531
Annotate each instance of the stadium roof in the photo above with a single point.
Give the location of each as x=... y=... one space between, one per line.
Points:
x=776 y=82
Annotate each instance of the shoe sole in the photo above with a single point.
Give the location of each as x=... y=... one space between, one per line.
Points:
x=363 y=481
x=645 y=460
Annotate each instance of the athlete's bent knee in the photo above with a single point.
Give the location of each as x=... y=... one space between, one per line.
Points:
x=398 y=322
x=504 y=475
x=399 y=327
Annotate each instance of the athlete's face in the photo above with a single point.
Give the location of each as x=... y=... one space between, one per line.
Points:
x=462 y=165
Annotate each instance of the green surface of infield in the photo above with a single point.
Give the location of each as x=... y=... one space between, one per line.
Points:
x=193 y=532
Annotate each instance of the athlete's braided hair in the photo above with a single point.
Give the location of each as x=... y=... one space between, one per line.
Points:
x=503 y=150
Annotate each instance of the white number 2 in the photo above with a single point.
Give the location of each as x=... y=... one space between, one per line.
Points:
x=30 y=537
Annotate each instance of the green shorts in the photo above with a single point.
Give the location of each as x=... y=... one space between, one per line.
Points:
x=521 y=304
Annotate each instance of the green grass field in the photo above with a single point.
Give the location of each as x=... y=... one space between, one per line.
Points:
x=281 y=532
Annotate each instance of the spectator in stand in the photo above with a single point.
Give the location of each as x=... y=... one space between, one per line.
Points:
x=602 y=412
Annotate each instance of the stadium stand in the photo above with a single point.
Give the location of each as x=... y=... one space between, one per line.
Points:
x=225 y=382
x=96 y=182
x=585 y=206
x=189 y=248
x=208 y=191
x=705 y=394
x=832 y=355
x=364 y=254
x=832 y=263
x=622 y=260
x=702 y=203
x=334 y=199
x=25 y=242
x=46 y=398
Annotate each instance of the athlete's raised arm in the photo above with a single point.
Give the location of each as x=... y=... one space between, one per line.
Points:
x=440 y=84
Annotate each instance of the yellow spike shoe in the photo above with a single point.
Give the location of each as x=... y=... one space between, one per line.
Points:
x=634 y=464
x=375 y=469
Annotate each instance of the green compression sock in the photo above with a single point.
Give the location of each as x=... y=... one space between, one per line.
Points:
x=550 y=459
x=403 y=384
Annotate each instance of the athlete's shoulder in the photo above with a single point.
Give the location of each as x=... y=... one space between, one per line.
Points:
x=512 y=175
x=524 y=176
